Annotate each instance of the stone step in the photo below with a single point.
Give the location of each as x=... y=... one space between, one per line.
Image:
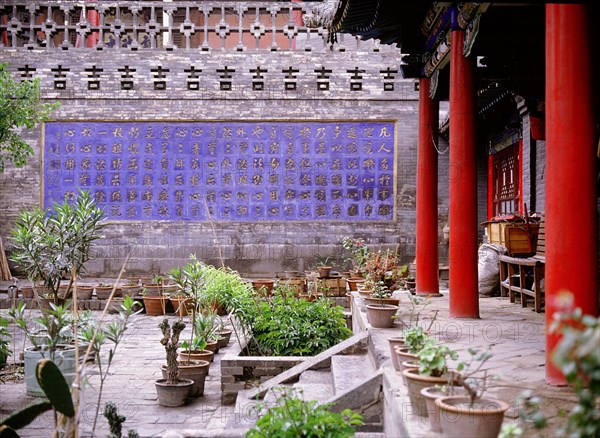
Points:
x=314 y=391
x=347 y=370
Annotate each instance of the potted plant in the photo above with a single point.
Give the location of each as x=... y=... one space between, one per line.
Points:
x=5 y=336
x=471 y=414
x=190 y=282
x=323 y=266
x=359 y=251
x=206 y=328
x=49 y=244
x=48 y=338
x=172 y=391
x=380 y=314
x=103 y=291
x=131 y=287
x=154 y=305
x=415 y=339
x=432 y=370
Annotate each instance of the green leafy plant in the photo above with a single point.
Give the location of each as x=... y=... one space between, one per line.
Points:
x=20 y=107
x=287 y=326
x=5 y=337
x=381 y=292
x=49 y=330
x=433 y=358
x=415 y=339
x=296 y=418
x=99 y=335
x=359 y=252
x=50 y=244
x=578 y=357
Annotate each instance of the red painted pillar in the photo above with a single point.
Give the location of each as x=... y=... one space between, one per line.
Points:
x=427 y=194
x=571 y=203
x=94 y=19
x=464 y=292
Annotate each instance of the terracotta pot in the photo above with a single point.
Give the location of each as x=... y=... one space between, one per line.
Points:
x=459 y=418
x=155 y=305
x=173 y=395
x=263 y=286
x=206 y=355
x=415 y=382
x=404 y=356
x=211 y=346
x=85 y=292
x=223 y=341
x=132 y=290
x=27 y=292
x=393 y=342
x=433 y=411
x=103 y=292
x=153 y=290
x=195 y=371
x=390 y=301
x=181 y=306
x=324 y=271
x=381 y=316
x=354 y=282
x=365 y=293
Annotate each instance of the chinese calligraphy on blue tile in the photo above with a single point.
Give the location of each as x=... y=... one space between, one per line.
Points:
x=242 y=171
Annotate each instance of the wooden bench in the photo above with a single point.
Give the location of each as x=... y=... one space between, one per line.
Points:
x=522 y=276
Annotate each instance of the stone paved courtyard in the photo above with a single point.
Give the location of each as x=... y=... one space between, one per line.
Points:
x=516 y=335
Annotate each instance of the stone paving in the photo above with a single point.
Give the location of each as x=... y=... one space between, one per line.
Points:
x=517 y=336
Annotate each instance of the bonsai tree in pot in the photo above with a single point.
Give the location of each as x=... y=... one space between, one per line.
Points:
x=172 y=391
x=471 y=414
x=380 y=314
x=49 y=244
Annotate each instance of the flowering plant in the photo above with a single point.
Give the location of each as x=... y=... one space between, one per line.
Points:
x=359 y=252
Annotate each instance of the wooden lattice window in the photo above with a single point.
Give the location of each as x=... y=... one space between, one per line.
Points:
x=506 y=177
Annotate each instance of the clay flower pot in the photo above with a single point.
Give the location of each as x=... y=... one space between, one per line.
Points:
x=482 y=420
x=196 y=355
x=263 y=286
x=155 y=305
x=431 y=394
x=393 y=342
x=195 y=371
x=415 y=382
x=380 y=316
x=173 y=395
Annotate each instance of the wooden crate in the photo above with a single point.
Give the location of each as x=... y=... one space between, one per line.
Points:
x=331 y=287
x=521 y=239
x=495 y=232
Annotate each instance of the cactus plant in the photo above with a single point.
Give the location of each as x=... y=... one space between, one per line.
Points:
x=57 y=391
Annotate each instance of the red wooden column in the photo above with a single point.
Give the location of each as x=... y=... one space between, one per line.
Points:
x=464 y=293
x=427 y=194
x=571 y=209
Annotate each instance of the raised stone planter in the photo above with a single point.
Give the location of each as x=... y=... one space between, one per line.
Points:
x=245 y=372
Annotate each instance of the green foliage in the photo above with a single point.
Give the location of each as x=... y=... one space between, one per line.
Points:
x=433 y=358
x=295 y=418
x=20 y=107
x=56 y=326
x=415 y=339
x=5 y=337
x=48 y=244
x=577 y=355
x=359 y=252
x=287 y=326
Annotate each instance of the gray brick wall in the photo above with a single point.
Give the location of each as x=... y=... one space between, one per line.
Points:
x=253 y=248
